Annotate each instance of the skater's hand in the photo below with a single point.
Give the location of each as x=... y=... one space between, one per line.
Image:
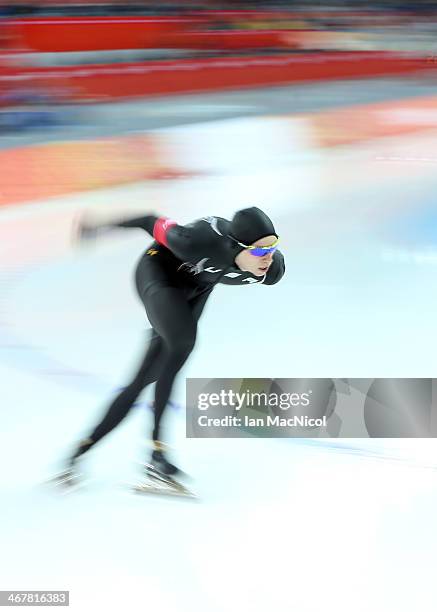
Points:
x=86 y=231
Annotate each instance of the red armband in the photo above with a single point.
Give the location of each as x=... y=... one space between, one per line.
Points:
x=160 y=229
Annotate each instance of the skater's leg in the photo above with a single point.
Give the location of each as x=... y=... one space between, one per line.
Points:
x=179 y=337
x=171 y=316
x=121 y=405
x=175 y=318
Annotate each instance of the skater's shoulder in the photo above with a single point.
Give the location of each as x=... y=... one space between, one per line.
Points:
x=208 y=230
x=213 y=225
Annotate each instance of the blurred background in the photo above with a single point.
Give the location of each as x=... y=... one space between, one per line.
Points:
x=325 y=116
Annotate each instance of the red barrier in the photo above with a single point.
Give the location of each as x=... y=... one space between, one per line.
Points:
x=232 y=39
x=108 y=33
x=104 y=83
x=60 y=34
x=206 y=31
x=108 y=82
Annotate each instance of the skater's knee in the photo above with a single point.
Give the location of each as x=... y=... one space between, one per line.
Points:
x=183 y=344
x=133 y=389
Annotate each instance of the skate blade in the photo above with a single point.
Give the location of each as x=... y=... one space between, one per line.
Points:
x=157 y=488
x=65 y=481
x=149 y=468
x=161 y=483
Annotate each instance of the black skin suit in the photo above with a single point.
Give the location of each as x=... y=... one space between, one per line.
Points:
x=174 y=278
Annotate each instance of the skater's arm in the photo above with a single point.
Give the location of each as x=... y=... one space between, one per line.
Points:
x=183 y=241
x=146 y=223
x=276 y=270
x=153 y=225
x=87 y=229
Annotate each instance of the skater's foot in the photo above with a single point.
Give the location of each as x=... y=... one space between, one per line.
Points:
x=160 y=461
x=82 y=448
x=70 y=476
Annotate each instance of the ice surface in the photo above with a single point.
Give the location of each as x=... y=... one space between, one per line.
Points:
x=282 y=524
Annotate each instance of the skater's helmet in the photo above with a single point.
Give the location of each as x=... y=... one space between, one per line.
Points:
x=251 y=224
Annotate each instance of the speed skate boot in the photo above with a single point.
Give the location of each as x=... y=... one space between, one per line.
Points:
x=70 y=476
x=159 y=475
x=160 y=462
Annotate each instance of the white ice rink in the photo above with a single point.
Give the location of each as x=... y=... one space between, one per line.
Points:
x=282 y=525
